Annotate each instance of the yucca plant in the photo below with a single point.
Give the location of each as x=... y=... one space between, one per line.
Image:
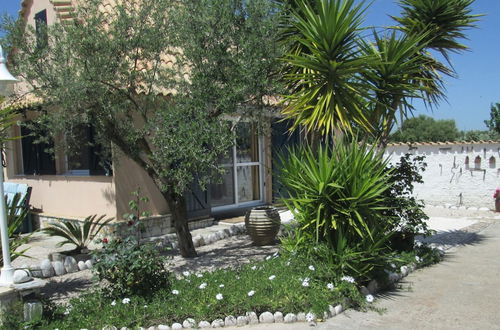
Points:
x=337 y=188
x=77 y=234
x=15 y=217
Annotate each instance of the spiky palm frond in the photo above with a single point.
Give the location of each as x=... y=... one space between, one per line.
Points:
x=326 y=92
x=76 y=234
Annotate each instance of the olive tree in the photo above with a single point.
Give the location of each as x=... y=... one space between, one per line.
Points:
x=154 y=79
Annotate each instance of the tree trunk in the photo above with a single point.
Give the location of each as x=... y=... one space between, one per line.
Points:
x=177 y=205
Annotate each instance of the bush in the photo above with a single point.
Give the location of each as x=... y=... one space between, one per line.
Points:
x=338 y=196
x=406 y=211
x=15 y=218
x=128 y=267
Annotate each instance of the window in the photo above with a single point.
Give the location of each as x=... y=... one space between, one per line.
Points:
x=41 y=28
x=477 y=163
x=84 y=157
x=36 y=156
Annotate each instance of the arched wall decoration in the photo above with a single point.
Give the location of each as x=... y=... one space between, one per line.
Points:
x=477 y=163
x=492 y=162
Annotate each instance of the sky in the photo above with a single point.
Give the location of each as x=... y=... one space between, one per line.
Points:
x=470 y=96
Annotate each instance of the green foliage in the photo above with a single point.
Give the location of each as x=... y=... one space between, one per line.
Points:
x=340 y=78
x=493 y=123
x=407 y=211
x=426 y=129
x=478 y=135
x=75 y=233
x=338 y=197
x=126 y=267
x=16 y=214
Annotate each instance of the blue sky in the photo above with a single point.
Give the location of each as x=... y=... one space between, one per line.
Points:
x=469 y=96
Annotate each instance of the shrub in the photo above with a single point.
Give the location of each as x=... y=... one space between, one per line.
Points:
x=128 y=267
x=406 y=211
x=76 y=234
x=15 y=218
x=338 y=197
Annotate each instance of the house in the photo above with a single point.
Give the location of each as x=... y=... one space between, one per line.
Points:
x=73 y=187
x=458 y=174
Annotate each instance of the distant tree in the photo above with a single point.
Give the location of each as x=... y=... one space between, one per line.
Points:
x=478 y=135
x=494 y=123
x=426 y=129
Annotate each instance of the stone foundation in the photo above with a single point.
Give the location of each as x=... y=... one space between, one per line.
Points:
x=154 y=226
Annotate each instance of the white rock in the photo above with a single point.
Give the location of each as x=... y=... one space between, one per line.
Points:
x=230 y=321
x=301 y=317
x=453 y=208
x=373 y=286
x=162 y=327
x=204 y=324
x=448 y=205
x=176 y=326
x=21 y=276
x=47 y=269
x=393 y=277
x=462 y=208
x=88 y=263
x=252 y=318
x=278 y=317
x=331 y=310
x=364 y=291
x=338 y=309
x=32 y=310
x=124 y=328
x=82 y=265
x=266 y=317
x=219 y=323
x=484 y=209
x=404 y=270
x=290 y=318
x=189 y=323
x=70 y=265
x=59 y=268
x=206 y=239
x=241 y=321
x=109 y=327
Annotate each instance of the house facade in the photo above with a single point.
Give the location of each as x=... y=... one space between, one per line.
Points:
x=76 y=186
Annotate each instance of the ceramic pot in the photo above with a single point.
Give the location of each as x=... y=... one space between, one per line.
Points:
x=263 y=224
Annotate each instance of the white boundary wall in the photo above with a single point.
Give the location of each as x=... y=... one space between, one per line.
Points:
x=448 y=179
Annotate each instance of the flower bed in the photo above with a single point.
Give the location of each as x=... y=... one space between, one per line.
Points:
x=278 y=289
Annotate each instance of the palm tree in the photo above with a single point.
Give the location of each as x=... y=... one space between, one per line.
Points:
x=324 y=66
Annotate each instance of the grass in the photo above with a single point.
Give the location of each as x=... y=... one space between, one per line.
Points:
x=277 y=285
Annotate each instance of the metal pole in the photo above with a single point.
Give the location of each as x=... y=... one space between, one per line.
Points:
x=7 y=272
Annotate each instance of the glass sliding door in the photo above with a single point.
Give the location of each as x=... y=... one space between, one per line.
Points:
x=242 y=182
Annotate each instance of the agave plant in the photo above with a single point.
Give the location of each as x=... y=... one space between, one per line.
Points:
x=76 y=234
x=15 y=218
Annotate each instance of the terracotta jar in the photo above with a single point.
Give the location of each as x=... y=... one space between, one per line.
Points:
x=263 y=224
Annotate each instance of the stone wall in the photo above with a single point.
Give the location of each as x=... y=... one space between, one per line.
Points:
x=154 y=226
x=457 y=174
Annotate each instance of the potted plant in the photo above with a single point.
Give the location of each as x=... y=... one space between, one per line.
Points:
x=496 y=196
x=263 y=224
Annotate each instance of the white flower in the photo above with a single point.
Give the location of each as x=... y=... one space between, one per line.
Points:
x=393 y=266
x=199 y=275
x=288 y=263
x=275 y=254
x=417 y=258
x=145 y=306
x=369 y=298
x=310 y=317
x=251 y=293
x=66 y=312
x=219 y=296
x=305 y=283
x=126 y=300
x=253 y=267
x=349 y=279
x=311 y=267
x=186 y=273
x=300 y=279
x=307 y=279
x=113 y=303
x=330 y=286
x=221 y=286
x=272 y=277
x=268 y=257
x=203 y=285
x=176 y=292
